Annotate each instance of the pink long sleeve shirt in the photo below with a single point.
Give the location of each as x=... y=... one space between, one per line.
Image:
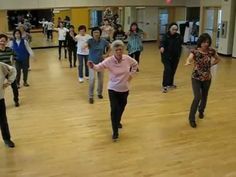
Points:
x=119 y=72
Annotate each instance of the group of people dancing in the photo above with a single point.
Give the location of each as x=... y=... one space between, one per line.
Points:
x=94 y=55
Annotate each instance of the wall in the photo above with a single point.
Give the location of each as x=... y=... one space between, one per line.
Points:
x=39 y=4
x=3 y=21
x=180 y=13
x=80 y=16
x=228 y=15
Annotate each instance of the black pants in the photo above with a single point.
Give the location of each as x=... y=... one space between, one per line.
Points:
x=135 y=55
x=200 y=91
x=3 y=121
x=118 y=101
x=170 y=67
x=49 y=34
x=22 y=65
x=60 y=46
x=72 y=52
x=15 y=91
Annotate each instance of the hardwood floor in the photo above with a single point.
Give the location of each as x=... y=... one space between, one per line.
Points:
x=58 y=134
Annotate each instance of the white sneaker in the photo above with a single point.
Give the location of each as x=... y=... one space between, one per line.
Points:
x=87 y=78
x=81 y=80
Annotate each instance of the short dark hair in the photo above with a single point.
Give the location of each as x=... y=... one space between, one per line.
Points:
x=96 y=29
x=82 y=27
x=3 y=36
x=173 y=24
x=203 y=38
x=72 y=26
x=14 y=33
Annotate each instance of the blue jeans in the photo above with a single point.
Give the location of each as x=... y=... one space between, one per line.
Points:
x=83 y=62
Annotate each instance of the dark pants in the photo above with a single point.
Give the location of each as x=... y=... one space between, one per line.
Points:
x=15 y=91
x=3 y=121
x=49 y=34
x=170 y=67
x=83 y=62
x=60 y=46
x=72 y=52
x=135 y=55
x=22 y=65
x=200 y=91
x=118 y=101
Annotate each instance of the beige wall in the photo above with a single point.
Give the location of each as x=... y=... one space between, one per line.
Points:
x=37 y=4
x=180 y=13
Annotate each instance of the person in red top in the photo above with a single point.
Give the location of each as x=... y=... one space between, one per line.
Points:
x=203 y=58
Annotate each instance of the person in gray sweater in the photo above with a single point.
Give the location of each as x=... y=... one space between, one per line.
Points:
x=8 y=72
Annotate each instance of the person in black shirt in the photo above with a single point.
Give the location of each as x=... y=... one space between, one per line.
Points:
x=170 y=48
x=71 y=45
x=119 y=34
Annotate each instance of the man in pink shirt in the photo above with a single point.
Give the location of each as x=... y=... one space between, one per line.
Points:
x=121 y=70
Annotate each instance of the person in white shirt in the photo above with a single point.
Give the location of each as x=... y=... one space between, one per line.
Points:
x=82 y=52
x=8 y=72
x=44 y=26
x=62 y=39
x=49 y=27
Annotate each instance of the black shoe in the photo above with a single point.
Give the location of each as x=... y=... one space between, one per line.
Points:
x=26 y=84
x=9 y=143
x=193 y=124
x=17 y=104
x=100 y=96
x=59 y=57
x=201 y=115
x=120 y=125
x=91 y=101
x=70 y=66
x=75 y=65
x=115 y=136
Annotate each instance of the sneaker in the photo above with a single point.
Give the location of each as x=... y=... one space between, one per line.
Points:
x=164 y=89
x=91 y=101
x=201 y=115
x=100 y=96
x=9 y=143
x=86 y=77
x=26 y=84
x=81 y=80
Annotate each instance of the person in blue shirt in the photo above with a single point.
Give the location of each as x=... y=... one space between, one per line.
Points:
x=97 y=47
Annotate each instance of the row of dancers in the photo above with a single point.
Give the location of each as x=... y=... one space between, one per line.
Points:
x=122 y=69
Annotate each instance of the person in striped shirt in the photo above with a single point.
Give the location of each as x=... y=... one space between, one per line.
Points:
x=7 y=57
